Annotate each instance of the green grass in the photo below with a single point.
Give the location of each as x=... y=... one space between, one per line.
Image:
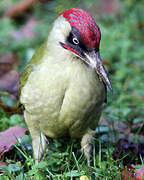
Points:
x=64 y=162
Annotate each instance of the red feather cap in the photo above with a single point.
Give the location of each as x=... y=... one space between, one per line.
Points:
x=84 y=22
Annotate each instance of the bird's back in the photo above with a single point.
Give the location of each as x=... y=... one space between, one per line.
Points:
x=35 y=60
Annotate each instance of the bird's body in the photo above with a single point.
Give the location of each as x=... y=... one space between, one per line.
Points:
x=62 y=94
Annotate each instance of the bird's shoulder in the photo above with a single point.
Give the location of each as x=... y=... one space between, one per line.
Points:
x=35 y=60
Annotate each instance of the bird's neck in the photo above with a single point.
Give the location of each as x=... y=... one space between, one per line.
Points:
x=58 y=33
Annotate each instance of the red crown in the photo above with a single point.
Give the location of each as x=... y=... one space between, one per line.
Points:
x=84 y=22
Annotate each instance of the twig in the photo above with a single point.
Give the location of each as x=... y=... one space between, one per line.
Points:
x=18 y=8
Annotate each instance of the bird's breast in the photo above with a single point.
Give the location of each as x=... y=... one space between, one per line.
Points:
x=63 y=98
x=83 y=99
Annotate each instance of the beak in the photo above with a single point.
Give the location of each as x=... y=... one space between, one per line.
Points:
x=94 y=60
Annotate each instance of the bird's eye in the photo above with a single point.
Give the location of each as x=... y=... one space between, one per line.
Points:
x=75 y=41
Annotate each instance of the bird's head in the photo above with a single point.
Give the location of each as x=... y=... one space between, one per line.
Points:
x=76 y=32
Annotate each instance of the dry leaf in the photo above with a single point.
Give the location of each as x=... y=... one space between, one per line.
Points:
x=26 y=31
x=3 y=163
x=139 y=174
x=7 y=61
x=128 y=174
x=9 y=82
x=18 y=8
x=9 y=137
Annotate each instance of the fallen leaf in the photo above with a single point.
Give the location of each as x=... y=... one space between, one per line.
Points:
x=18 y=8
x=7 y=61
x=9 y=82
x=128 y=174
x=9 y=58
x=139 y=174
x=3 y=163
x=26 y=31
x=9 y=137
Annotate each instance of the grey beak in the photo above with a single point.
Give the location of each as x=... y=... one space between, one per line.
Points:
x=95 y=61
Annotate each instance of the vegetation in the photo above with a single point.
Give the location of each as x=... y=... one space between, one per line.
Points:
x=122 y=49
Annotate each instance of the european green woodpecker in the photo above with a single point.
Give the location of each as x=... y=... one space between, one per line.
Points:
x=64 y=85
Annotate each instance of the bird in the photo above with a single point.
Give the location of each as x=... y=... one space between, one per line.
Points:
x=64 y=86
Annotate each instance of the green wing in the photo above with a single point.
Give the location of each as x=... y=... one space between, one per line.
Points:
x=35 y=60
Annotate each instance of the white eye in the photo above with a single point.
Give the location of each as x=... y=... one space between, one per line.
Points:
x=75 y=41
